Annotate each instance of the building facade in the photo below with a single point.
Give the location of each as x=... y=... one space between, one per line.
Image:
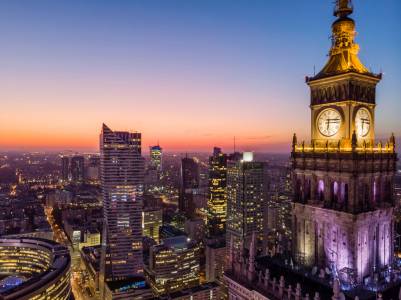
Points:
x=122 y=168
x=189 y=182
x=65 y=168
x=343 y=180
x=152 y=220
x=246 y=199
x=38 y=269
x=217 y=200
x=77 y=168
x=173 y=265
x=156 y=158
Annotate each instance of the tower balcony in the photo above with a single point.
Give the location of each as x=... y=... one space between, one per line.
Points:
x=344 y=147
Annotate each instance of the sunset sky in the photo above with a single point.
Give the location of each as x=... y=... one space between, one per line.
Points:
x=189 y=74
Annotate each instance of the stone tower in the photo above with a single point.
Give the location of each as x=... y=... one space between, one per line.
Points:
x=343 y=179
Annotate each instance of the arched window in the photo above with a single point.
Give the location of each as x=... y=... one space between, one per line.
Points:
x=335 y=191
x=320 y=190
x=375 y=193
x=343 y=197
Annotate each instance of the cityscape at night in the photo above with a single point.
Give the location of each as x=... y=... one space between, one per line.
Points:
x=200 y=150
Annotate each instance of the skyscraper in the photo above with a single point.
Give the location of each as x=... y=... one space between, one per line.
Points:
x=217 y=200
x=77 y=168
x=189 y=182
x=343 y=180
x=156 y=157
x=122 y=168
x=246 y=198
x=65 y=168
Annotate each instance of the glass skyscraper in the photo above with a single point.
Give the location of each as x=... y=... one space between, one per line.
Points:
x=122 y=169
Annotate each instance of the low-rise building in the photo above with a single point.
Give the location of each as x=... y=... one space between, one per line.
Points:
x=130 y=288
x=173 y=265
x=91 y=237
x=209 y=291
x=152 y=220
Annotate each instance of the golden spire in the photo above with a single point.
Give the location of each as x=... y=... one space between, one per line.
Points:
x=344 y=51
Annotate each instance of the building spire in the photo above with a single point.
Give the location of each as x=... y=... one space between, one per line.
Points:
x=343 y=8
x=343 y=55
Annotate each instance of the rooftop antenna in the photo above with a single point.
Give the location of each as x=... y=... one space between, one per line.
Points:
x=234 y=143
x=314 y=70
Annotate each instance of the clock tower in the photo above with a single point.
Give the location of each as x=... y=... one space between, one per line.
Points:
x=343 y=179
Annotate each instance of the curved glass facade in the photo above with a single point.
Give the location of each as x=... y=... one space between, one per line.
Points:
x=44 y=264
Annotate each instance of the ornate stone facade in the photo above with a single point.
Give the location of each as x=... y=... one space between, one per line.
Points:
x=344 y=89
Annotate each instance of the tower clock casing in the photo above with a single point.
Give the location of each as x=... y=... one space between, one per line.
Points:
x=347 y=94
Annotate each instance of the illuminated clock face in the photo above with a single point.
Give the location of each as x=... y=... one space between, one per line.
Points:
x=329 y=122
x=362 y=122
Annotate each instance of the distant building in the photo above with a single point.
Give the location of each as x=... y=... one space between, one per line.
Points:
x=217 y=200
x=23 y=216
x=173 y=265
x=156 y=157
x=246 y=190
x=77 y=169
x=65 y=168
x=93 y=169
x=152 y=220
x=189 y=182
x=122 y=168
x=91 y=238
x=195 y=229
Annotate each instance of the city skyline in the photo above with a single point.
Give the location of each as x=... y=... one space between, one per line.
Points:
x=208 y=70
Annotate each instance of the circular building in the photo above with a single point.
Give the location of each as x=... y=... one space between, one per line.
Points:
x=33 y=268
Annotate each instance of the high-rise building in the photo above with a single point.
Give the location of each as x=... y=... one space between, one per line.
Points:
x=217 y=200
x=343 y=181
x=77 y=168
x=122 y=168
x=173 y=265
x=65 y=168
x=156 y=157
x=189 y=182
x=246 y=199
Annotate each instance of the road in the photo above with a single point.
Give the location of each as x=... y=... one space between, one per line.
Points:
x=78 y=283
x=59 y=234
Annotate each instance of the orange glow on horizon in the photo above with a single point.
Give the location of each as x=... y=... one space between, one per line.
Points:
x=59 y=141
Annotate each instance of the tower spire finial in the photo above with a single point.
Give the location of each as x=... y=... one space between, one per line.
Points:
x=343 y=8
